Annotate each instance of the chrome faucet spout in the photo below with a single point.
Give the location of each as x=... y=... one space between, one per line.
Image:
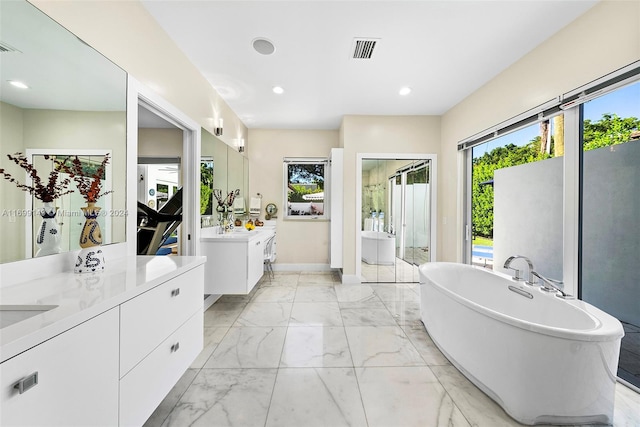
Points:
x=516 y=272
x=551 y=285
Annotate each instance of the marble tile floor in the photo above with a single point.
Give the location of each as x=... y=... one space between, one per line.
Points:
x=304 y=350
x=400 y=272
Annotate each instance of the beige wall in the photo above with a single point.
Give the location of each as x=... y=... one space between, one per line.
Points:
x=299 y=241
x=604 y=39
x=379 y=134
x=160 y=143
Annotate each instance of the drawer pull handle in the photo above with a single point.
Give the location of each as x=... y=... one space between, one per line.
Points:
x=175 y=292
x=26 y=383
x=175 y=347
x=257 y=243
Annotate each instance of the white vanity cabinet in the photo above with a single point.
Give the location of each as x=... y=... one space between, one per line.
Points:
x=161 y=334
x=111 y=349
x=77 y=378
x=235 y=261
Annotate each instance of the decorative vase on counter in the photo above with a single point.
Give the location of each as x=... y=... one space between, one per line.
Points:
x=90 y=258
x=48 y=238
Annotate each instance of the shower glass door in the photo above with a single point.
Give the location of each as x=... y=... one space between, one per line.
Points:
x=416 y=214
x=395 y=219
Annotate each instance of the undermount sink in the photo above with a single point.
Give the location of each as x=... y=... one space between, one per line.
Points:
x=10 y=314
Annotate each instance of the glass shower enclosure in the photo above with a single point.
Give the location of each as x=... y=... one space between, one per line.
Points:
x=396 y=219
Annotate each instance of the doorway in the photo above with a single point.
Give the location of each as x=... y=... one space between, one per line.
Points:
x=165 y=132
x=396 y=222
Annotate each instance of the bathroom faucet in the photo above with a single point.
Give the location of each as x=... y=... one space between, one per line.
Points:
x=516 y=272
x=551 y=285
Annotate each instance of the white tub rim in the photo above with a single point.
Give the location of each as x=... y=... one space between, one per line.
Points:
x=376 y=235
x=607 y=327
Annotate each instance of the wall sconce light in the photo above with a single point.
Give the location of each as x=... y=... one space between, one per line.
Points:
x=217 y=130
x=241 y=145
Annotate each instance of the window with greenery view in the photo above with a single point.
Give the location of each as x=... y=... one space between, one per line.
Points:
x=537 y=142
x=305 y=188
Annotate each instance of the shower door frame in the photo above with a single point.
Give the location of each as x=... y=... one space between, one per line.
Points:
x=404 y=177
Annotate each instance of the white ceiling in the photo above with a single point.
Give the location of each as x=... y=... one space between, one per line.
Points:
x=443 y=50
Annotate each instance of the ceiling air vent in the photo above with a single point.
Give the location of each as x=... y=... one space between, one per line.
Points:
x=5 y=48
x=363 y=48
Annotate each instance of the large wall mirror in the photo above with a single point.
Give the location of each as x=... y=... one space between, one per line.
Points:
x=72 y=102
x=221 y=167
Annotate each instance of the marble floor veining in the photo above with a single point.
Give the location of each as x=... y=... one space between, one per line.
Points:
x=304 y=350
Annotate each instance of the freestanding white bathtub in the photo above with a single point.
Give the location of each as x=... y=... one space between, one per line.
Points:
x=378 y=248
x=542 y=358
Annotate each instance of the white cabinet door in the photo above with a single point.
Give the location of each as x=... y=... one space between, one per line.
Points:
x=226 y=267
x=234 y=266
x=256 y=262
x=148 y=319
x=142 y=389
x=161 y=333
x=77 y=381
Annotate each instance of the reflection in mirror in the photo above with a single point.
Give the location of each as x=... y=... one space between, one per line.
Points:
x=69 y=216
x=230 y=171
x=73 y=99
x=214 y=162
x=245 y=188
x=235 y=171
x=235 y=181
x=206 y=186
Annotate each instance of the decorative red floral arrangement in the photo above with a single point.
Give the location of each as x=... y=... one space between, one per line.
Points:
x=45 y=192
x=90 y=186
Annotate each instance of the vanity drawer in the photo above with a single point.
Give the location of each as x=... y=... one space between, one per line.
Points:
x=147 y=320
x=142 y=389
x=69 y=380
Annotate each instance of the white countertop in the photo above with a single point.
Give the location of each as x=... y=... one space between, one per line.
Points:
x=80 y=297
x=210 y=234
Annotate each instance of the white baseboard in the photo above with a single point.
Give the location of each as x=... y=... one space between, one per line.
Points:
x=351 y=279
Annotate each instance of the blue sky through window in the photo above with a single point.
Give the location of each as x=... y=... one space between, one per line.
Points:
x=519 y=137
x=624 y=102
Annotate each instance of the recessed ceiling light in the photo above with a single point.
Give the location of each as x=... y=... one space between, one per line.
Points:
x=18 y=84
x=263 y=46
x=405 y=91
x=278 y=89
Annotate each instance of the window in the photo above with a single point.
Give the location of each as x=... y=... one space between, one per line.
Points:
x=610 y=241
x=517 y=189
x=305 y=192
